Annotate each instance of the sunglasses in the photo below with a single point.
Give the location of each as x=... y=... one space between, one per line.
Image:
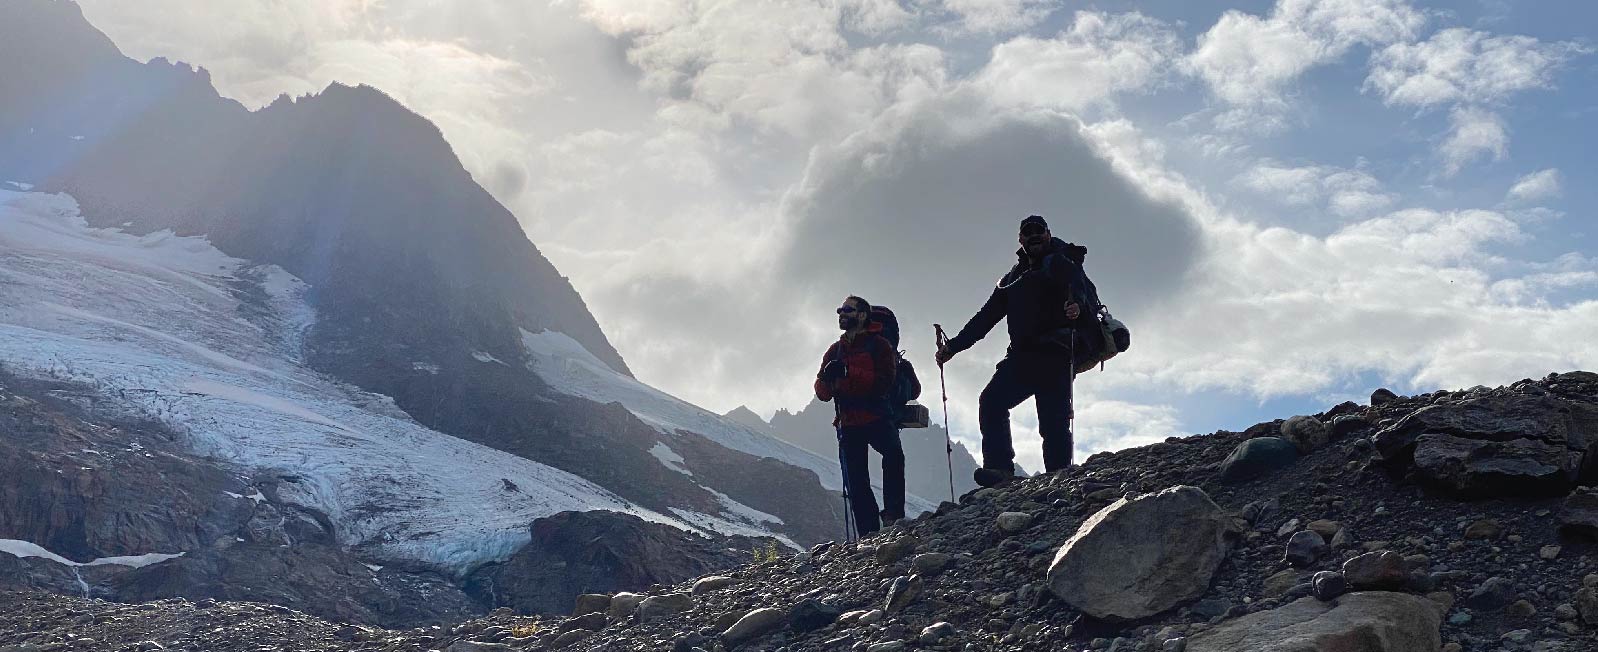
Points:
x=847 y=310
x=1033 y=229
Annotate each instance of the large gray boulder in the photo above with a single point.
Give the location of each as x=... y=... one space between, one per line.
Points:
x=1489 y=418
x=1372 y=621
x=1496 y=445
x=1257 y=457
x=1139 y=557
x=1473 y=467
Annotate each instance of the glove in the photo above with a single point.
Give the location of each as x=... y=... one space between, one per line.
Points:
x=833 y=370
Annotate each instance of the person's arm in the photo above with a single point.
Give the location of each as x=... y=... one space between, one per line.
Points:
x=989 y=316
x=824 y=387
x=915 y=383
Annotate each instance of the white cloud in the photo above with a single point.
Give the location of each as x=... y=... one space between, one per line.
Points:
x=1249 y=61
x=1098 y=56
x=1470 y=70
x=1537 y=186
x=998 y=16
x=1473 y=133
x=1459 y=65
x=1346 y=192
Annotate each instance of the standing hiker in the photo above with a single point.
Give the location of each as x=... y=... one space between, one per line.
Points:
x=1050 y=307
x=858 y=374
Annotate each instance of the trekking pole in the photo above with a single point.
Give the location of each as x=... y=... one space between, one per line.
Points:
x=948 y=441
x=843 y=471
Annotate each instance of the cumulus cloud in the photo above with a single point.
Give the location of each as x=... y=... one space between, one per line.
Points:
x=1469 y=70
x=1097 y=57
x=1345 y=192
x=1459 y=65
x=1249 y=61
x=1474 y=133
x=1537 y=186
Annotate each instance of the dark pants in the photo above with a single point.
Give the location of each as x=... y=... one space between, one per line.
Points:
x=852 y=443
x=1018 y=377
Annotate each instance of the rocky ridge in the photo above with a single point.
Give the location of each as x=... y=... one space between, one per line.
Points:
x=1334 y=547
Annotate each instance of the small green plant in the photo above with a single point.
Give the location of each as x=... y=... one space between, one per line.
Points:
x=771 y=551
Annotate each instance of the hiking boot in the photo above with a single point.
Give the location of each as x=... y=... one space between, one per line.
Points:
x=992 y=477
x=889 y=519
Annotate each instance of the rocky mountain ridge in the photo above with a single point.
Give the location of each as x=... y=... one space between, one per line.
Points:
x=310 y=325
x=1307 y=534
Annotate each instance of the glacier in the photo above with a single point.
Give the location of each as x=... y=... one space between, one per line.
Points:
x=154 y=323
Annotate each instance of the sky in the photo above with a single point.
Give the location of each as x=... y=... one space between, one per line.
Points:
x=1289 y=202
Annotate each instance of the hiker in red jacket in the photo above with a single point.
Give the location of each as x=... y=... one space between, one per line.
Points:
x=857 y=374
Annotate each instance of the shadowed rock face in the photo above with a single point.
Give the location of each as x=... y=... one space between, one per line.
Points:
x=86 y=489
x=1496 y=444
x=601 y=552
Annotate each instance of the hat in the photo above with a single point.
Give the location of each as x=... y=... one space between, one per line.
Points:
x=1034 y=219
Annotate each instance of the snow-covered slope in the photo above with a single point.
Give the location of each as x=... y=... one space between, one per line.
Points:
x=568 y=367
x=170 y=328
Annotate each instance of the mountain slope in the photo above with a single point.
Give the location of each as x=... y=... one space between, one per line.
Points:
x=318 y=290
x=1412 y=565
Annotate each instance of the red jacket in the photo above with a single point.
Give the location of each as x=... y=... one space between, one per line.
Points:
x=863 y=394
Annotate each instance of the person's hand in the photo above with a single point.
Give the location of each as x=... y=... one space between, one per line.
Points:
x=1072 y=310
x=943 y=355
x=834 y=370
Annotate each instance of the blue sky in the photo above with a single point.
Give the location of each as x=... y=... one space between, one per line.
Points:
x=1292 y=202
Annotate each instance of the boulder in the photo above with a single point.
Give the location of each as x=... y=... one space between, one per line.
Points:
x=1380 y=569
x=1489 y=418
x=1477 y=468
x=931 y=563
x=1345 y=425
x=904 y=592
x=754 y=624
x=622 y=605
x=1013 y=522
x=1139 y=557
x=1383 y=396
x=590 y=621
x=1305 y=433
x=660 y=606
x=896 y=549
x=1579 y=513
x=1329 y=585
x=812 y=614
x=589 y=603
x=1374 y=621
x=1256 y=457
x=1305 y=548
x=712 y=583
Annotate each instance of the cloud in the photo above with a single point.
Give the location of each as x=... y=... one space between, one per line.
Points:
x=1473 y=133
x=1248 y=61
x=1471 y=71
x=1346 y=192
x=1465 y=66
x=998 y=16
x=1099 y=56
x=1537 y=186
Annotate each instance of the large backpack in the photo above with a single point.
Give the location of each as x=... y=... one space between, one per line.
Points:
x=1116 y=338
x=900 y=409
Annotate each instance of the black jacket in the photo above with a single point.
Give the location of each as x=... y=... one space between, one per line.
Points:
x=1031 y=298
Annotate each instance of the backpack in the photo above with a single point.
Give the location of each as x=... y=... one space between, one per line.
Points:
x=1116 y=337
x=900 y=409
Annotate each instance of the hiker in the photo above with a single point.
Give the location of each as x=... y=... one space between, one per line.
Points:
x=1046 y=300
x=858 y=374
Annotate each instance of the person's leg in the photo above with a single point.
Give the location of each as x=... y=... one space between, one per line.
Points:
x=885 y=438
x=857 y=473
x=1054 y=419
x=1005 y=391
